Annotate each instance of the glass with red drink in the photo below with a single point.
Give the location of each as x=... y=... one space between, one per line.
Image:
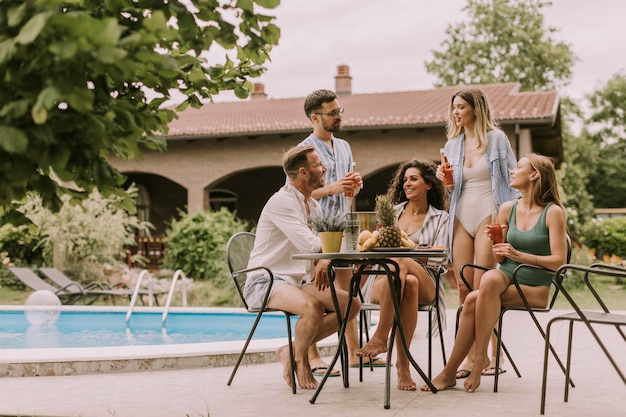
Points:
x=495 y=229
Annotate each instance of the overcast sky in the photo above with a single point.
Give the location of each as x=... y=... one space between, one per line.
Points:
x=386 y=42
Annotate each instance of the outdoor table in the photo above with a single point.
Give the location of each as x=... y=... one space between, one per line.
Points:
x=362 y=264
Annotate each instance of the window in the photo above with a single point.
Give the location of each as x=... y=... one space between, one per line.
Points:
x=222 y=198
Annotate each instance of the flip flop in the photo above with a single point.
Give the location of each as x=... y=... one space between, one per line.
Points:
x=377 y=363
x=463 y=373
x=321 y=371
x=491 y=371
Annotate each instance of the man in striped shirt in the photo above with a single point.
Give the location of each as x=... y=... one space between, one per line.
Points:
x=323 y=109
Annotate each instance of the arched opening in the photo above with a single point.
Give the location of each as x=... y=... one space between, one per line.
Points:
x=159 y=199
x=218 y=198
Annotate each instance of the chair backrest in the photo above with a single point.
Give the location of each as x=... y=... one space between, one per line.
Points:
x=558 y=278
x=58 y=277
x=238 y=251
x=32 y=280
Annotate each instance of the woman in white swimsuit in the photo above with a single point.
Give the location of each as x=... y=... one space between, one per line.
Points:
x=481 y=156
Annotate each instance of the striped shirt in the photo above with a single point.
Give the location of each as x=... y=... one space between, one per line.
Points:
x=434 y=231
x=339 y=163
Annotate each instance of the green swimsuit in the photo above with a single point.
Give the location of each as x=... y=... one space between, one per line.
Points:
x=535 y=241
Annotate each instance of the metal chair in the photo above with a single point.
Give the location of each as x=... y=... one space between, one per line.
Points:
x=238 y=251
x=556 y=285
x=588 y=317
x=432 y=309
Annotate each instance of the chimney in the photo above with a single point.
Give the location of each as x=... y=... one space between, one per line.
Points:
x=259 y=92
x=343 y=80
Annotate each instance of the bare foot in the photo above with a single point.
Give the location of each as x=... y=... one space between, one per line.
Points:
x=473 y=381
x=305 y=377
x=405 y=382
x=441 y=382
x=283 y=357
x=372 y=348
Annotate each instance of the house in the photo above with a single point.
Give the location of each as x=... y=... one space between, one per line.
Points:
x=229 y=154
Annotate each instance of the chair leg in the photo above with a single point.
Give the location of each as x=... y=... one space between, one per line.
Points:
x=500 y=347
x=544 y=376
x=458 y=319
x=443 y=348
x=568 y=361
x=364 y=325
x=361 y=329
x=245 y=347
x=291 y=358
x=430 y=343
x=550 y=347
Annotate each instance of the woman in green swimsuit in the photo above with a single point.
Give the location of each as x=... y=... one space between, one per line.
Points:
x=535 y=234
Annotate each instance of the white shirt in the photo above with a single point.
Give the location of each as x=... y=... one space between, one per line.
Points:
x=283 y=231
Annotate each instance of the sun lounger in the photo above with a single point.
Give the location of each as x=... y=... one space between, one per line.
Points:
x=97 y=289
x=67 y=294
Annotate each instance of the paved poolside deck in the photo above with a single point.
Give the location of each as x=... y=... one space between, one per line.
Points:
x=258 y=390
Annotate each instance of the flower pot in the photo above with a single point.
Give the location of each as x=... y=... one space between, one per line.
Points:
x=331 y=241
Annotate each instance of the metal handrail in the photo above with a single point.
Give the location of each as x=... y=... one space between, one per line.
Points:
x=133 y=299
x=170 y=295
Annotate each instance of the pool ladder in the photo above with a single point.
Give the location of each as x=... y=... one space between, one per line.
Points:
x=170 y=295
x=178 y=273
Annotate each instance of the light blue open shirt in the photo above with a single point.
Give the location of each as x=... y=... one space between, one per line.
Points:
x=501 y=161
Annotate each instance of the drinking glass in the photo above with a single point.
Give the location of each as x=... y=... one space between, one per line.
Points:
x=495 y=229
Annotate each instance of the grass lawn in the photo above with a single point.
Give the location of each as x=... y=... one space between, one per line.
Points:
x=202 y=295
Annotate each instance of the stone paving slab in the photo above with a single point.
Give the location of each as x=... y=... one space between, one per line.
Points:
x=258 y=390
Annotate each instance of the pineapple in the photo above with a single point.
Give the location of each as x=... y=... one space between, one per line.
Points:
x=390 y=234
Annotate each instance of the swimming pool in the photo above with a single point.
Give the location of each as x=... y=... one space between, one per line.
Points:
x=192 y=338
x=101 y=327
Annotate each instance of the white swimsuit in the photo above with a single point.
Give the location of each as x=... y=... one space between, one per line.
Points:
x=476 y=201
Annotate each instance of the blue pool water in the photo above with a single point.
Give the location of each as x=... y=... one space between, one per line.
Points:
x=108 y=328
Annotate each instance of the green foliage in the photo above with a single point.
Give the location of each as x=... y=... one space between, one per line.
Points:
x=609 y=108
x=503 y=41
x=23 y=244
x=94 y=231
x=575 y=279
x=607 y=237
x=196 y=243
x=607 y=183
x=81 y=80
x=579 y=161
x=328 y=223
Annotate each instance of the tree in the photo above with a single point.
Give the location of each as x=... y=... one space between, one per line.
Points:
x=504 y=41
x=608 y=105
x=82 y=79
x=579 y=162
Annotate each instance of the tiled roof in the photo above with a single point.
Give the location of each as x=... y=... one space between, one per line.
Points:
x=259 y=115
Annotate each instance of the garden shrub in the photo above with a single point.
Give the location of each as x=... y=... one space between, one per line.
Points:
x=92 y=232
x=24 y=244
x=196 y=243
x=606 y=237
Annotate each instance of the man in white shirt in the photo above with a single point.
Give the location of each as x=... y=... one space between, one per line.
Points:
x=283 y=231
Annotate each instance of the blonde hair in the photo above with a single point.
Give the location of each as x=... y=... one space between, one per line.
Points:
x=483 y=122
x=546 y=189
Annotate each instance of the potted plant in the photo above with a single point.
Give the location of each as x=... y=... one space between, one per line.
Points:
x=329 y=229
